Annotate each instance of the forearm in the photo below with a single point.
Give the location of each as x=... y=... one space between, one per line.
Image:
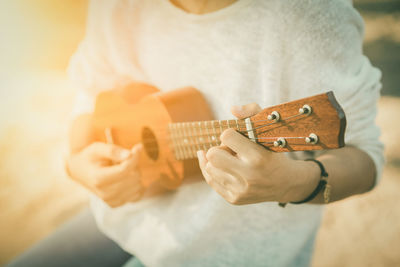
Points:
x=351 y=171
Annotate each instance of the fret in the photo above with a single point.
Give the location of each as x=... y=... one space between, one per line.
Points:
x=189 y=138
x=179 y=141
x=237 y=125
x=214 y=137
x=201 y=137
x=187 y=141
x=174 y=145
x=208 y=133
x=192 y=138
x=176 y=137
x=214 y=132
x=249 y=129
x=183 y=141
x=196 y=137
x=172 y=139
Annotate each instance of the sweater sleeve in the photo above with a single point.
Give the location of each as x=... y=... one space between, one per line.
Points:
x=324 y=53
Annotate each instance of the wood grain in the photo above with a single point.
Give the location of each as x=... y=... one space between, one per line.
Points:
x=327 y=120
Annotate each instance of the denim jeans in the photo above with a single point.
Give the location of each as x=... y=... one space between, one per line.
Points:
x=76 y=243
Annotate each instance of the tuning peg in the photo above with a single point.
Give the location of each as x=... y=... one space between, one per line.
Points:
x=280 y=142
x=274 y=116
x=306 y=109
x=312 y=139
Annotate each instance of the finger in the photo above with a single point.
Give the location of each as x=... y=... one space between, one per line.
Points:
x=135 y=154
x=124 y=197
x=206 y=166
x=109 y=151
x=225 y=179
x=227 y=149
x=131 y=179
x=221 y=186
x=245 y=111
x=201 y=156
x=120 y=192
x=222 y=159
x=238 y=143
x=136 y=149
x=117 y=191
x=115 y=173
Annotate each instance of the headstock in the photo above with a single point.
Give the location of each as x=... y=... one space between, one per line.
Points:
x=311 y=123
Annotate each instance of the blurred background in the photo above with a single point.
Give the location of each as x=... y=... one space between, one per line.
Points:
x=37 y=39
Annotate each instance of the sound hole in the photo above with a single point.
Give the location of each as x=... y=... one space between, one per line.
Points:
x=150 y=144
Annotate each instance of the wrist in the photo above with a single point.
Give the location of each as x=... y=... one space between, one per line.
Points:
x=304 y=178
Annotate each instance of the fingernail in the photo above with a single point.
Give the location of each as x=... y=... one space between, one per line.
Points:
x=199 y=153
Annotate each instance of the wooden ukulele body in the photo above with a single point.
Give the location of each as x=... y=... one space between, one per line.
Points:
x=140 y=113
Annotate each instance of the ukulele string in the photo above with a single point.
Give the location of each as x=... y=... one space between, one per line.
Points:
x=242 y=125
x=188 y=137
x=214 y=130
x=147 y=141
x=215 y=134
x=208 y=146
x=217 y=131
x=197 y=137
x=274 y=122
x=287 y=137
x=241 y=128
x=150 y=140
x=205 y=146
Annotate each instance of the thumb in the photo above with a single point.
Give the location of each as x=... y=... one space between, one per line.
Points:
x=245 y=111
x=137 y=148
x=114 y=153
x=135 y=151
x=119 y=154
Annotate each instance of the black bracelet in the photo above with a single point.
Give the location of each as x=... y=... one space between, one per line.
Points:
x=322 y=185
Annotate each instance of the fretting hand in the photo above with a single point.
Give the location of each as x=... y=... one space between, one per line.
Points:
x=243 y=172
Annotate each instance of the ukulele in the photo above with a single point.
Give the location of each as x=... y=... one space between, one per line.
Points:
x=173 y=125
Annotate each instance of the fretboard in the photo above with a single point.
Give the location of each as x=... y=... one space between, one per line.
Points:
x=189 y=137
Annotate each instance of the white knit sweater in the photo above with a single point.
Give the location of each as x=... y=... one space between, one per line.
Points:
x=265 y=51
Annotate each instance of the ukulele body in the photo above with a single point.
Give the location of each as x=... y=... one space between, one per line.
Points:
x=140 y=113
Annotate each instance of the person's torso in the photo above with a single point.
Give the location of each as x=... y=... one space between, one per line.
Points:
x=233 y=56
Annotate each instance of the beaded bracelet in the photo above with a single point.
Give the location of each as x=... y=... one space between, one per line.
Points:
x=322 y=185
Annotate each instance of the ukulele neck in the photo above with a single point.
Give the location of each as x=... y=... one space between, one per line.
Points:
x=189 y=137
x=312 y=123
